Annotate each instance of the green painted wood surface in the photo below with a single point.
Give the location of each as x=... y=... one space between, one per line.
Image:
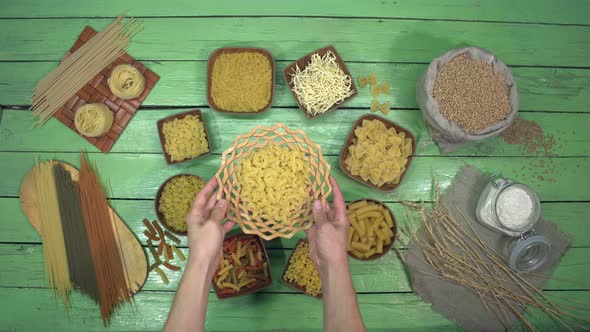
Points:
x=546 y=43
x=183 y=84
x=545 y=11
x=366 y=40
x=568 y=130
x=140 y=175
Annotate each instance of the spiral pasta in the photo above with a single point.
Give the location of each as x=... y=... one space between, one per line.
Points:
x=93 y=120
x=126 y=82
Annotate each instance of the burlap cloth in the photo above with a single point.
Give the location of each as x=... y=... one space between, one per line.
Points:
x=456 y=302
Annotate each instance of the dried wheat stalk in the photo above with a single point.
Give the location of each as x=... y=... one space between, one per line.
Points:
x=459 y=255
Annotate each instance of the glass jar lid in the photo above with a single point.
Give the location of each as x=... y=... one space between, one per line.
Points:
x=517 y=207
x=528 y=254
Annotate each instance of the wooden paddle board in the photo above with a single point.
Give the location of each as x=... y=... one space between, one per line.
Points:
x=132 y=254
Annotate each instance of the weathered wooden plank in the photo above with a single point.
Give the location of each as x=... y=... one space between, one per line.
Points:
x=17 y=228
x=22 y=266
x=249 y=313
x=140 y=175
x=546 y=11
x=367 y=40
x=183 y=83
x=285 y=312
x=16 y=134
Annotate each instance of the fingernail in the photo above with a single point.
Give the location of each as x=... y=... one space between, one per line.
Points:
x=222 y=203
x=317 y=205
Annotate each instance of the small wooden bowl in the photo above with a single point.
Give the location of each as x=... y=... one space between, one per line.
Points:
x=388 y=187
x=302 y=63
x=259 y=284
x=294 y=285
x=216 y=54
x=393 y=229
x=161 y=123
x=157 y=203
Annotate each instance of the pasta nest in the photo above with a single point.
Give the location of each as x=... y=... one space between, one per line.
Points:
x=270 y=178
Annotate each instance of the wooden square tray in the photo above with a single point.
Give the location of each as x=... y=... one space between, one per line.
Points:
x=259 y=285
x=294 y=285
x=97 y=90
x=212 y=59
x=393 y=229
x=160 y=125
x=302 y=63
x=388 y=187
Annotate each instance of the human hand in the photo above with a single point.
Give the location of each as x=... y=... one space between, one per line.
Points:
x=328 y=237
x=205 y=230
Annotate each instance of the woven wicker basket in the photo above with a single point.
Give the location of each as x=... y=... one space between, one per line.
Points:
x=246 y=144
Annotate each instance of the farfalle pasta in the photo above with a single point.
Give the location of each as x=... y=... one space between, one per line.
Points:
x=378 y=154
x=273 y=183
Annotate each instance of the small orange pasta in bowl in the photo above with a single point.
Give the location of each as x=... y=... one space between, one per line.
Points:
x=243 y=267
x=372 y=229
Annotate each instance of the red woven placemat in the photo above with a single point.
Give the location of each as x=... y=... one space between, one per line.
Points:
x=97 y=91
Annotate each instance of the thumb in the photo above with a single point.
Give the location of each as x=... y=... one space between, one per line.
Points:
x=218 y=212
x=319 y=213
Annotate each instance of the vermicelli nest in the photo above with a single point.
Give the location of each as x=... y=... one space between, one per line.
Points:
x=274 y=182
x=177 y=198
x=126 y=82
x=93 y=120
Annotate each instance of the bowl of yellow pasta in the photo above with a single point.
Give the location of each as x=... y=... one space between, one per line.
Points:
x=270 y=178
x=372 y=229
x=377 y=153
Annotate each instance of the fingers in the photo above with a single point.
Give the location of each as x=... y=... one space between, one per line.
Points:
x=210 y=204
x=319 y=213
x=339 y=205
x=200 y=202
x=218 y=212
x=227 y=226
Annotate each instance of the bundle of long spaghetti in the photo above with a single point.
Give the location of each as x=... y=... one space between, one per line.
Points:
x=53 y=91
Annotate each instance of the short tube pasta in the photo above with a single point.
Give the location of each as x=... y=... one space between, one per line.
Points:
x=371 y=229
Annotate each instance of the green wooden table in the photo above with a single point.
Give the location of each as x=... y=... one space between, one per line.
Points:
x=545 y=42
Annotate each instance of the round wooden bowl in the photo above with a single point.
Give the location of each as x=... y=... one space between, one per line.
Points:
x=157 y=203
x=393 y=229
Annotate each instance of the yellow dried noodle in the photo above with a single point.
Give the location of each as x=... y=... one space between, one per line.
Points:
x=241 y=82
x=55 y=89
x=274 y=182
x=302 y=271
x=93 y=120
x=378 y=154
x=126 y=82
x=54 y=249
x=177 y=198
x=185 y=138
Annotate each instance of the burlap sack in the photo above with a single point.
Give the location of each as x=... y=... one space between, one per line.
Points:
x=446 y=133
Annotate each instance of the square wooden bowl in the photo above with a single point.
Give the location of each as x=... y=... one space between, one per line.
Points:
x=302 y=63
x=294 y=285
x=180 y=116
x=213 y=58
x=157 y=202
x=388 y=187
x=259 y=284
x=393 y=229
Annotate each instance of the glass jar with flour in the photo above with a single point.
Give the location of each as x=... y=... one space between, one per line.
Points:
x=508 y=207
x=513 y=209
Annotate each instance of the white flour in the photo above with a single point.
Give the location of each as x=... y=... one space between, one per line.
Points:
x=514 y=207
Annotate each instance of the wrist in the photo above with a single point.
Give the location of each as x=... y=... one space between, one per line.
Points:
x=202 y=265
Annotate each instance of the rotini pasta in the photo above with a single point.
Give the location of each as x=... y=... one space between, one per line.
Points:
x=273 y=183
x=185 y=138
x=242 y=265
